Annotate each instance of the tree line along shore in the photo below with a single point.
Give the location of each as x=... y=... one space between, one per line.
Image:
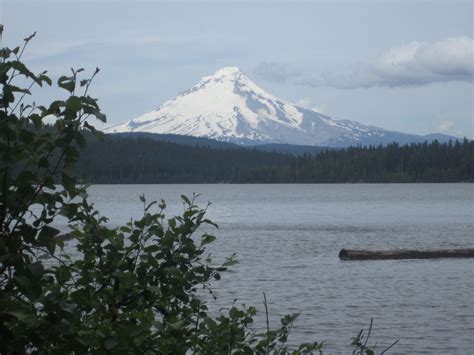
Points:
x=117 y=159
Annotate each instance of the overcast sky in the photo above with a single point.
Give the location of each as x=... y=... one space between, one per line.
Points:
x=401 y=65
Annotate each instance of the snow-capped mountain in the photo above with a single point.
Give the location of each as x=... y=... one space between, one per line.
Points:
x=228 y=106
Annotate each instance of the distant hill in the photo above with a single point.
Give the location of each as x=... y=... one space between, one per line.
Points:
x=180 y=139
x=212 y=143
x=144 y=159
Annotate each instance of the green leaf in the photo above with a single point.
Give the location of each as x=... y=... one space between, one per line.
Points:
x=68 y=182
x=73 y=103
x=172 y=222
x=111 y=343
x=157 y=324
x=206 y=239
x=21 y=316
x=68 y=307
x=46 y=79
x=234 y=313
x=67 y=82
x=27 y=136
x=12 y=88
x=23 y=283
x=100 y=116
x=185 y=199
x=36 y=269
x=47 y=235
x=177 y=325
x=174 y=271
x=23 y=70
x=29 y=38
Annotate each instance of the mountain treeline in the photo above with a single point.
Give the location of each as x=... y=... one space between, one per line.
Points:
x=142 y=160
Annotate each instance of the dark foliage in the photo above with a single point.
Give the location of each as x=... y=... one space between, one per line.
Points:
x=296 y=150
x=121 y=159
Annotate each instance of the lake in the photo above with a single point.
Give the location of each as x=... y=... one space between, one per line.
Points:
x=287 y=239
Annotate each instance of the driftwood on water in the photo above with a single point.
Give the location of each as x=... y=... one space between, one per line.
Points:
x=353 y=254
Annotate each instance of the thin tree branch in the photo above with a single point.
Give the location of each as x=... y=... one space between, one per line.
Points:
x=368 y=334
x=267 y=321
x=389 y=347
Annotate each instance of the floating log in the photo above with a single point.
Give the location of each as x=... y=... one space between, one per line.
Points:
x=397 y=254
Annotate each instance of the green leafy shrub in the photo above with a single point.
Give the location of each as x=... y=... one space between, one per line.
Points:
x=131 y=289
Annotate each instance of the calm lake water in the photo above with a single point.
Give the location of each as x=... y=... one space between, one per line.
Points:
x=287 y=239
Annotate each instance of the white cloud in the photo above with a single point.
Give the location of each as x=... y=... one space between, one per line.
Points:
x=116 y=40
x=417 y=63
x=449 y=127
x=306 y=103
x=320 y=109
x=445 y=126
x=413 y=64
x=276 y=72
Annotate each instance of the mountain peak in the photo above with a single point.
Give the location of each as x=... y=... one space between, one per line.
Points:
x=228 y=71
x=228 y=106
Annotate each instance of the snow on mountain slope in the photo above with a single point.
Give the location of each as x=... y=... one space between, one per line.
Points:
x=228 y=106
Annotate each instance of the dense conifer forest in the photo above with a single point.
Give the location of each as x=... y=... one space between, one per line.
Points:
x=142 y=160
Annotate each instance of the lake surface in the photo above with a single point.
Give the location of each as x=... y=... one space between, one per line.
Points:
x=287 y=239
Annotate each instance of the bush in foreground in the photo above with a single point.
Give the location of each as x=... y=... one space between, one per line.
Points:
x=132 y=289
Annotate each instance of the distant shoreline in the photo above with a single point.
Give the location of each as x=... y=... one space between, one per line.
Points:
x=141 y=160
x=284 y=183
